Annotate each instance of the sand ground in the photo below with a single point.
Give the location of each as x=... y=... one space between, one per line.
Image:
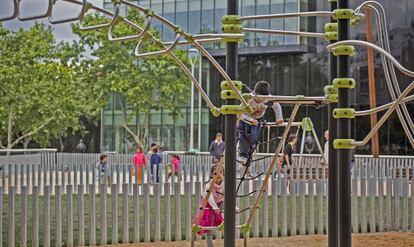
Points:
x=396 y=239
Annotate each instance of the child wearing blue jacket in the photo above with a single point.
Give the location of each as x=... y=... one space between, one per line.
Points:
x=155 y=162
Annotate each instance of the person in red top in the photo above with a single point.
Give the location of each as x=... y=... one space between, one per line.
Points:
x=140 y=162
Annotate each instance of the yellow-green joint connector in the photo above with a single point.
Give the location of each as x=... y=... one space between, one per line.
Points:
x=215 y=111
x=245 y=228
x=330 y=90
x=225 y=85
x=344 y=83
x=196 y=228
x=232 y=28
x=149 y=12
x=307 y=124
x=247 y=96
x=188 y=37
x=178 y=30
x=116 y=2
x=89 y=6
x=231 y=19
x=343 y=144
x=331 y=27
x=221 y=227
x=331 y=36
x=300 y=97
x=344 y=113
x=343 y=14
x=344 y=50
x=355 y=20
x=228 y=94
x=331 y=98
x=332 y=1
x=232 y=109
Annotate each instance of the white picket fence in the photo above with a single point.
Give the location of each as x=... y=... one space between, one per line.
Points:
x=55 y=199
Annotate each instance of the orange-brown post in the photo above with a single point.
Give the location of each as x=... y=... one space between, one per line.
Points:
x=371 y=80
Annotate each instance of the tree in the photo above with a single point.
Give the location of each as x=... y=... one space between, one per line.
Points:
x=144 y=84
x=42 y=93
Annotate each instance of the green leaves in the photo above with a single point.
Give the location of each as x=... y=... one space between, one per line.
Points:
x=42 y=90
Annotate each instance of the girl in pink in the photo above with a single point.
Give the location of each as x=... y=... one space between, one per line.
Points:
x=212 y=213
x=174 y=166
x=140 y=162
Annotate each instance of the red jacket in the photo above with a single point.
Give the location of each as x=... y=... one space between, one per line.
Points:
x=140 y=160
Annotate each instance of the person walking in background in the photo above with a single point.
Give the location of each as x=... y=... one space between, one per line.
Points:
x=151 y=147
x=103 y=169
x=155 y=164
x=288 y=151
x=140 y=162
x=217 y=148
x=326 y=149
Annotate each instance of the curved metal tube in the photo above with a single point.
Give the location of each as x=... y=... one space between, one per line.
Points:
x=172 y=55
x=389 y=71
x=378 y=49
x=15 y=12
x=160 y=18
x=29 y=18
x=155 y=53
x=80 y=16
x=284 y=32
x=385 y=116
x=130 y=37
x=382 y=108
x=220 y=70
x=99 y=26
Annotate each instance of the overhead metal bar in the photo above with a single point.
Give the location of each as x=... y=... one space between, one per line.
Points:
x=286 y=15
x=44 y=15
x=82 y=12
x=284 y=32
x=15 y=12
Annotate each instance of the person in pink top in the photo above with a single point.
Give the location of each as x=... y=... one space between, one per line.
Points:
x=174 y=166
x=140 y=162
x=212 y=216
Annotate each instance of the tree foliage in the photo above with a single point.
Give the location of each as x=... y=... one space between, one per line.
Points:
x=44 y=89
x=145 y=84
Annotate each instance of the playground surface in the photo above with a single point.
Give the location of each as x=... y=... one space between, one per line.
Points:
x=358 y=240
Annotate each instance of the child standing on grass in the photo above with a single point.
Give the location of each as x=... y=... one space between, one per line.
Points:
x=249 y=124
x=212 y=213
x=140 y=162
x=155 y=164
x=174 y=166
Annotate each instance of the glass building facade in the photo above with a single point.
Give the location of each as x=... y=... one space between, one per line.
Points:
x=292 y=65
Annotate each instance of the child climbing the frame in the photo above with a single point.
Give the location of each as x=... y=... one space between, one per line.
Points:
x=249 y=127
x=212 y=216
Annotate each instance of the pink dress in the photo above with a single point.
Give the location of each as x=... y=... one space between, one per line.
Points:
x=210 y=217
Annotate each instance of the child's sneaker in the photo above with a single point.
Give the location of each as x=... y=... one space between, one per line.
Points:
x=241 y=159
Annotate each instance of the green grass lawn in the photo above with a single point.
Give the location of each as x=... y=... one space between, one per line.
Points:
x=98 y=230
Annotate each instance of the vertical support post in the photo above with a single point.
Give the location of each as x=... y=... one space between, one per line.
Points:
x=332 y=156
x=371 y=81
x=344 y=132
x=230 y=137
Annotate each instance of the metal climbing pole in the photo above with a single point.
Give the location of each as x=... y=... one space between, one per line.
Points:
x=344 y=132
x=333 y=226
x=230 y=137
